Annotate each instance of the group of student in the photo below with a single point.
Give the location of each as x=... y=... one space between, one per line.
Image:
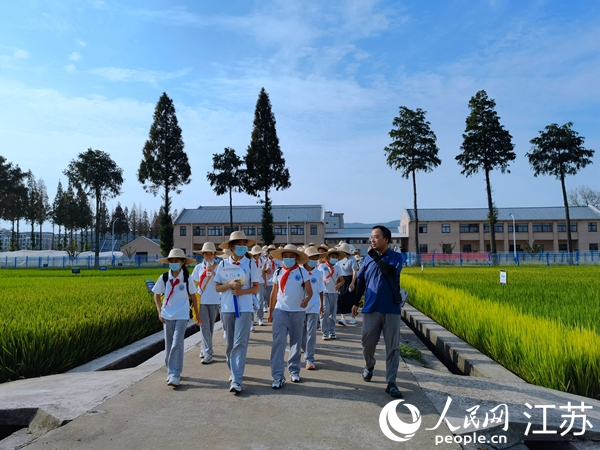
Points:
x=300 y=289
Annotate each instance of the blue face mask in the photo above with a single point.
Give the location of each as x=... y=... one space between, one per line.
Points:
x=333 y=261
x=312 y=264
x=174 y=266
x=241 y=250
x=289 y=262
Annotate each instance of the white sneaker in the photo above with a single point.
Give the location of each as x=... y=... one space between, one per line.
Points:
x=295 y=377
x=252 y=328
x=173 y=382
x=260 y=323
x=235 y=388
x=208 y=359
x=277 y=384
x=353 y=321
x=342 y=322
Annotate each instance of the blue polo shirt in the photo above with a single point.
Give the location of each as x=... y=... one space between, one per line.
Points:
x=378 y=296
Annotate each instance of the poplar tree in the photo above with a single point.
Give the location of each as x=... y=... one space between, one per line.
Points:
x=165 y=164
x=486 y=146
x=265 y=165
x=227 y=176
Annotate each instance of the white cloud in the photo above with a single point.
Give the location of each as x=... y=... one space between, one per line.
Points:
x=74 y=56
x=21 y=54
x=141 y=75
x=80 y=42
x=70 y=68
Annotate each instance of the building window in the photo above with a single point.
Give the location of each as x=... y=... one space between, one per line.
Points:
x=563 y=247
x=562 y=227
x=423 y=228
x=182 y=230
x=199 y=231
x=512 y=248
x=313 y=230
x=280 y=230
x=498 y=228
x=445 y=228
x=545 y=227
x=593 y=226
x=259 y=231
x=297 y=230
x=521 y=228
x=423 y=248
x=249 y=230
x=467 y=248
x=469 y=228
x=228 y=230
x=593 y=247
x=215 y=231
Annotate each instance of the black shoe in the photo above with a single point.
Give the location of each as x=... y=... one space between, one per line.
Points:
x=367 y=374
x=393 y=390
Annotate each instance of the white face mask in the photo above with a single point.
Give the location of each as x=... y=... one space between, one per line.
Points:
x=333 y=261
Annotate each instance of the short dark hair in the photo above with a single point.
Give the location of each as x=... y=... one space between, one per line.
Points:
x=385 y=232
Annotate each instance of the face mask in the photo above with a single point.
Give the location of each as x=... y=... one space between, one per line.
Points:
x=333 y=261
x=289 y=262
x=241 y=250
x=312 y=264
x=174 y=266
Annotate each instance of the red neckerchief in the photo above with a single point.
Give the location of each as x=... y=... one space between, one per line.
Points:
x=203 y=276
x=331 y=269
x=257 y=261
x=286 y=275
x=173 y=284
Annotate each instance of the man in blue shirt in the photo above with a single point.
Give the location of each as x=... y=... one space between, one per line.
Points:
x=380 y=310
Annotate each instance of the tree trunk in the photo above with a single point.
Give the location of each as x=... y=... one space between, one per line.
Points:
x=230 y=211
x=418 y=249
x=33 y=235
x=491 y=212
x=97 y=234
x=568 y=217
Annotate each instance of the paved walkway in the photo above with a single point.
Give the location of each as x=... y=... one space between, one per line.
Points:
x=332 y=407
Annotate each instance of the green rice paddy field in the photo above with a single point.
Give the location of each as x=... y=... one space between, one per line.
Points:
x=52 y=320
x=543 y=324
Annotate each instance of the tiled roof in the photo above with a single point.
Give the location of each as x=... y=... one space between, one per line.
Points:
x=251 y=214
x=480 y=214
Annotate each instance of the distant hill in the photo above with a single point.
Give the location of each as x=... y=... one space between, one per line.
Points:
x=391 y=225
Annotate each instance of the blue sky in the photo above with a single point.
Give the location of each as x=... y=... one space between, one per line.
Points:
x=80 y=74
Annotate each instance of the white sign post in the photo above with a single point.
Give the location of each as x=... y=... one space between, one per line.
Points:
x=503 y=277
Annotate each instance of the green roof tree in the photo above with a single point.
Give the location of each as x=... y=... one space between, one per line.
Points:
x=164 y=164
x=95 y=172
x=412 y=149
x=559 y=151
x=486 y=146
x=265 y=165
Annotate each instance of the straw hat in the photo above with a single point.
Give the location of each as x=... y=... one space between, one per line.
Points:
x=256 y=250
x=312 y=251
x=208 y=247
x=237 y=236
x=341 y=254
x=323 y=246
x=271 y=247
x=176 y=253
x=226 y=253
x=290 y=248
x=343 y=247
x=358 y=257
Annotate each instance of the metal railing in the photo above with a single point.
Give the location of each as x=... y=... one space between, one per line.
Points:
x=505 y=258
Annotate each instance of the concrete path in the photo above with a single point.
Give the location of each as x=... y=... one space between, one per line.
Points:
x=331 y=408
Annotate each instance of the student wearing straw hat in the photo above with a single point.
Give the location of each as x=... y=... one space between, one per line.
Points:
x=174 y=312
x=314 y=309
x=268 y=271
x=348 y=270
x=291 y=293
x=333 y=281
x=258 y=260
x=210 y=300
x=237 y=279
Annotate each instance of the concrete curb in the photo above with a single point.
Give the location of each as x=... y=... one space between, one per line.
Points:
x=459 y=356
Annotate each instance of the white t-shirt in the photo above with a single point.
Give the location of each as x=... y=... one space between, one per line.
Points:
x=316 y=281
x=258 y=263
x=272 y=265
x=347 y=265
x=176 y=304
x=293 y=293
x=246 y=273
x=204 y=280
x=329 y=277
